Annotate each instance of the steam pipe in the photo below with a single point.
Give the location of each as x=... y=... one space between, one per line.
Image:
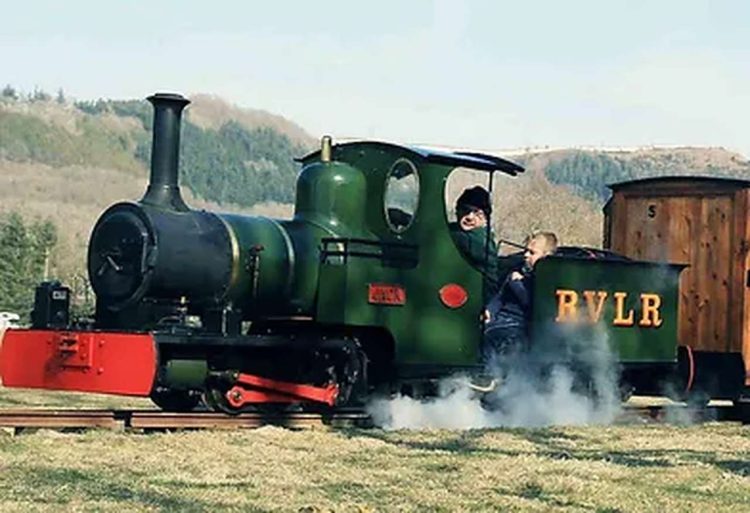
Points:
x=163 y=188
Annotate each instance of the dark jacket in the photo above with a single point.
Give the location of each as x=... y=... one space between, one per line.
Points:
x=513 y=303
x=481 y=253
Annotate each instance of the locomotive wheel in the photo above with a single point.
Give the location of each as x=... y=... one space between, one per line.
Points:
x=214 y=397
x=175 y=400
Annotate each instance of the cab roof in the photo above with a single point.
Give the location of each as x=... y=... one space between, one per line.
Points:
x=471 y=160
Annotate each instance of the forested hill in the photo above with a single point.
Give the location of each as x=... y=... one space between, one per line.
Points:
x=589 y=172
x=63 y=162
x=228 y=155
x=245 y=157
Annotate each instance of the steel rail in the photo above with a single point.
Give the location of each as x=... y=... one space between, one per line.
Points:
x=154 y=420
x=19 y=420
x=681 y=414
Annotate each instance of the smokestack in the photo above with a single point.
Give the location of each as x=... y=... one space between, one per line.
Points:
x=163 y=189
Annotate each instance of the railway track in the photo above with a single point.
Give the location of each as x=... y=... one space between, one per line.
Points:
x=18 y=420
x=681 y=414
x=154 y=420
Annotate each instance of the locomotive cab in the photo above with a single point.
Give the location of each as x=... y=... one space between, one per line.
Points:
x=402 y=284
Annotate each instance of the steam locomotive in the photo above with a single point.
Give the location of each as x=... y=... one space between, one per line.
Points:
x=363 y=290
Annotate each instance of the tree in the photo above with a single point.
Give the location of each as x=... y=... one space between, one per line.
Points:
x=40 y=95
x=237 y=165
x=9 y=93
x=60 y=96
x=24 y=250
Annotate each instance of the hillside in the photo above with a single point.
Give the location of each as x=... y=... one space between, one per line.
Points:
x=589 y=172
x=51 y=150
x=211 y=112
x=116 y=134
x=67 y=162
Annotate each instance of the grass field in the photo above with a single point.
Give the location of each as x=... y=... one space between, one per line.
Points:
x=628 y=468
x=594 y=469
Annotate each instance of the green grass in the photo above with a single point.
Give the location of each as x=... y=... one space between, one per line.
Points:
x=20 y=398
x=587 y=469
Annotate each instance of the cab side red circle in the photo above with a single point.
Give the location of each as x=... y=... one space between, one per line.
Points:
x=453 y=295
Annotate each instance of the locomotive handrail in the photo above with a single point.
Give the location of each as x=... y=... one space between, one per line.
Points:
x=387 y=252
x=367 y=242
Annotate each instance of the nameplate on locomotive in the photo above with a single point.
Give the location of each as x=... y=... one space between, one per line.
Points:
x=386 y=294
x=588 y=306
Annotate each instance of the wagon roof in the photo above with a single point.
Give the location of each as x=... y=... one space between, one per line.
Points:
x=472 y=160
x=698 y=180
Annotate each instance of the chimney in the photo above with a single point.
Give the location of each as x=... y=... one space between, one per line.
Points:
x=163 y=189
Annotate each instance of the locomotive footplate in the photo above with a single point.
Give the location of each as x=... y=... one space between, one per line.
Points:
x=180 y=337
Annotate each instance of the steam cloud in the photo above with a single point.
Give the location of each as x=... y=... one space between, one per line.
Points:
x=536 y=391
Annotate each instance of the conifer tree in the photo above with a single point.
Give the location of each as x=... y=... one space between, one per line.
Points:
x=24 y=250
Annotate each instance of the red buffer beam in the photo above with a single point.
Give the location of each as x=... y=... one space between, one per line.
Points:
x=83 y=361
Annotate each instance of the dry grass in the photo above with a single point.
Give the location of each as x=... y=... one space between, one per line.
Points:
x=209 y=111
x=18 y=398
x=689 y=158
x=66 y=116
x=593 y=469
x=71 y=197
x=615 y=469
x=682 y=159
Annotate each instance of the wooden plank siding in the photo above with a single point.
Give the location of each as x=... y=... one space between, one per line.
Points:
x=741 y=311
x=680 y=229
x=715 y=236
x=702 y=223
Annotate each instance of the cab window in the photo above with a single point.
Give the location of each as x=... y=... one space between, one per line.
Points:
x=401 y=195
